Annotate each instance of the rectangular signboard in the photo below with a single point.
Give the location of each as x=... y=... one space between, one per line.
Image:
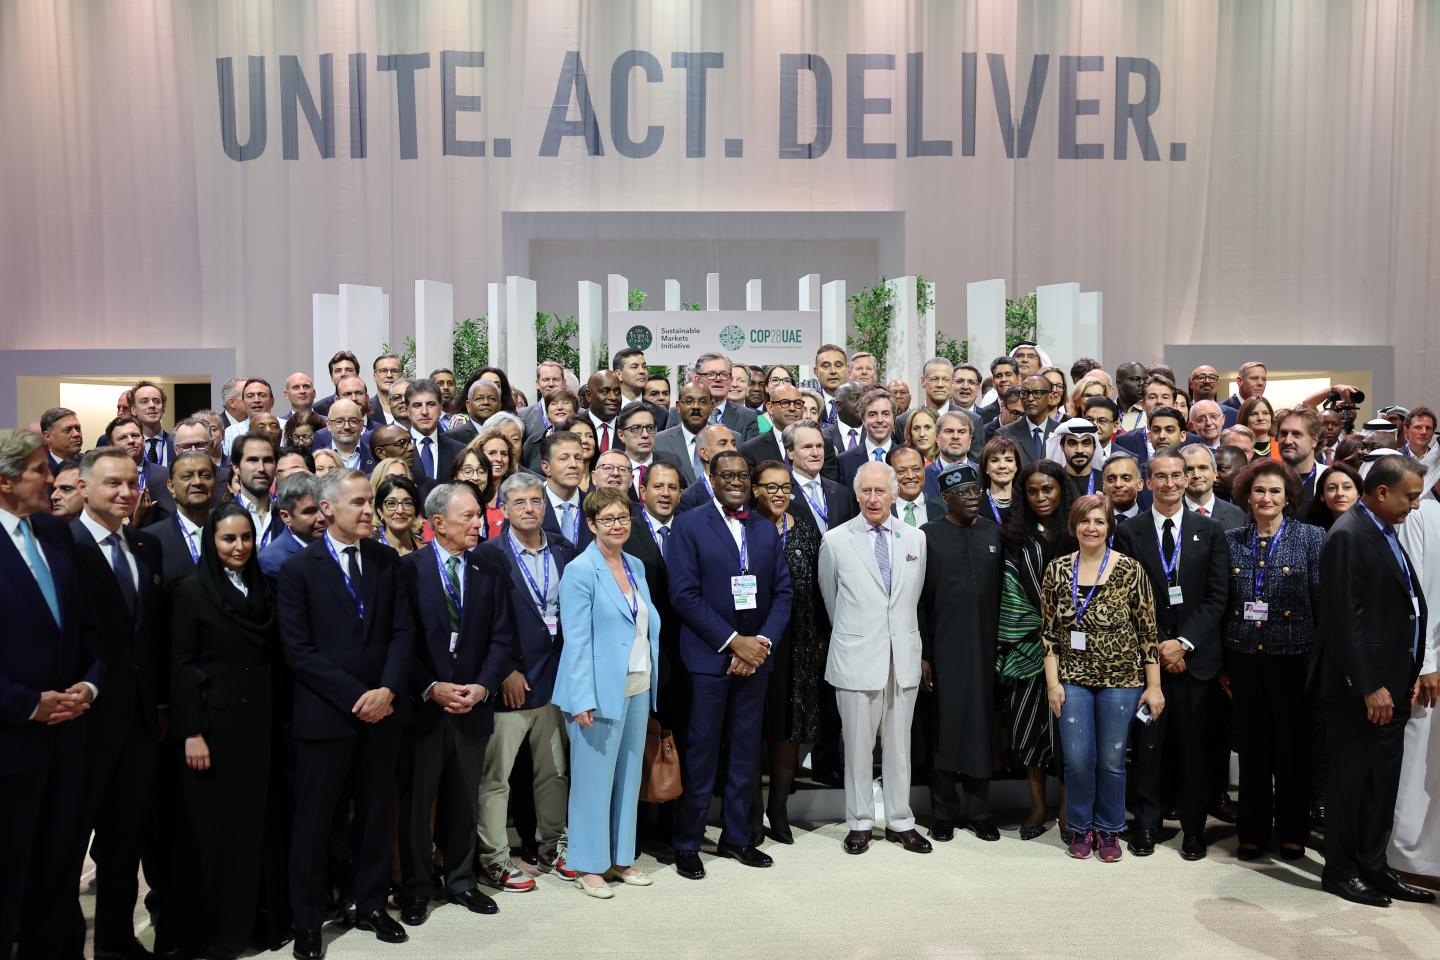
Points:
x=761 y=337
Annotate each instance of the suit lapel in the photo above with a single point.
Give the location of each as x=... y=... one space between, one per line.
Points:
x=1382 y=546
x=721 y=529
x=865 y=548
x=334 y=574
x=612 y=589
x=16 y=571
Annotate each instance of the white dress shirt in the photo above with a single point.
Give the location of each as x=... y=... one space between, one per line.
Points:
x=1179 y=518
x=1207 y=506
x=12 y=526
x=434 y=439
x=871 y=447
x=849 y=436
x=191 y=533
x=261 y=519
x=237 y=581
x=340 y=558
x=921 y=517
x=101 y=535
x=609 y=425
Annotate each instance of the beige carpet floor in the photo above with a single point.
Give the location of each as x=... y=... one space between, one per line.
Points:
x=967 y=899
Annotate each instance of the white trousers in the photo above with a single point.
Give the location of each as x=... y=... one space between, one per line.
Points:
x=863 y=714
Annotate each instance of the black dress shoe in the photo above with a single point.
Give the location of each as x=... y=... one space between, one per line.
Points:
x=942 y=830
x=1142 y=842
x=1290 y=853
x=1030 y=833
x=1225 y=810
x=1193 y=846
x=414 y=912
x=985 y=830
x=474 y=901
x=750 y=856
x=688 y=865
x=309 y=945
x=857 y=841
x=780 y=833
x=1393 y=887
x=384 y=927
x=1355 y=890
x=909 y=839
x=1249 y=852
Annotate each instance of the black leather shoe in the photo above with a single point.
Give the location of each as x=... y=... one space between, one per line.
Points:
x=780 y=833
x=474 y=901
x=1193 y=846
x=1393 y=887
x=384 y=927
x=1030 y=833
x=1249 y=852
x=688 y=865
x=309 y=945
x=414 y=912
x=1225 y=810
x=857 y=842
x=985 y=830
x=1355 y=890
x=942 y=830
x=749 y=856
x=1142 y=842
x=909 y=839
x=1291 y=852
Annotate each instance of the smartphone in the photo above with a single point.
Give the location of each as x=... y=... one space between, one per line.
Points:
x=1143 y=714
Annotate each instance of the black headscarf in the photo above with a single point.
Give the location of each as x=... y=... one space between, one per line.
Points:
x=254 y=611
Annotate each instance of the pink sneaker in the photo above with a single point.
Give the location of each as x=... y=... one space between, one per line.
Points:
x=1107 y=847
x=1080 y=845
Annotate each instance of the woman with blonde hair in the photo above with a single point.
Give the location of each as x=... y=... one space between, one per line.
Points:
x=1088 y=386
x=920 y=434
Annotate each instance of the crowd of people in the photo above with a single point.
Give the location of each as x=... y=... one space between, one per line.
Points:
x=297 y=668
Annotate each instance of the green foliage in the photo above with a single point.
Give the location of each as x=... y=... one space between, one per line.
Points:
x=637 y=299
x=655 y=370
x=1019 y=321
x=557 y=339
x=407 y=357
x=956 y=351
x=687 y=305
x=872 y=312
x=470 y=347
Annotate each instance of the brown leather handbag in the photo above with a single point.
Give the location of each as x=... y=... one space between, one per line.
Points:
x=660 y=776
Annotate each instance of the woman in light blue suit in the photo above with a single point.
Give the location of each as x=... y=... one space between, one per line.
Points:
x=605 y=687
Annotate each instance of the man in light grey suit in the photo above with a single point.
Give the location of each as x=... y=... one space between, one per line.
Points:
x=872 y=569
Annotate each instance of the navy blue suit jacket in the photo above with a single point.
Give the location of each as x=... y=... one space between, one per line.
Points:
x=277 y=551
x=701 y=560
x=840 y=504
x=932 y=477
x=334 y=655
x=176 y=563
x=323 y=441
x=38 y=654
x=483 y=650
x=852 y=460
x=533 y=651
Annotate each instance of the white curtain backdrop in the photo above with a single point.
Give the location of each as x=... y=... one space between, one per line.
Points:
x=1301 y=213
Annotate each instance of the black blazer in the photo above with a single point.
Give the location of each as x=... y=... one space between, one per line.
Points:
x=840 y=504
x=39 y=654
x=176 y=563
x=1366 y=636
x=852 y=460
x=447 y=451
x=1204 y=579
x=1021 y=431
x=642 y=547
x=483 y=651
x=533 y=651
x=696 y=495
x=335 y=656
x=767 y=447
x=217 y=665
x=137 y=647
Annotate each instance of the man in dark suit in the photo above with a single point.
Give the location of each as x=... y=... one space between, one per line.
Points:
x=346 y=631
x=730 y=585
x=1250 y=381
x=121 y=572
x=713 y=439
x=50 y=670
x=1200 y=489
x=124 y=434
x=1186 y=558
x=681 y=440
x=354 y=390
x=435 y=453
x=347 y=436
x=846 y=431
x=820 y=502
x=636 y=427
x=562 y=461
x=630 y=364
x=527 y=562
x=912 y=505
x=714 y=371
x=343 y=365
x=877 y=414
x=297 y=500
x=192 y=487
x=60 y=426
x=955 y=437
x=784 y=407
x=1366 y=659
x=1164 y=429
x=1032 y=430
x=252 y=457
x=462 y=651
x=602 y=396
x=1204 y=386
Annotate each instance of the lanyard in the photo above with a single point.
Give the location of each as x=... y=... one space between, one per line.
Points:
x=142 y=477
x=1255 y=555
x=744 y=543
x=1399 y=554
x=189 y=542
x=784 y=532
x=345 y=573
x=1075 y=603
x=542 y=597
x=634 y=599
x=654 y=533
x=1307 y=480
x=1090 y=482
x=441 y=555
x=1169 y=565
x=821 y=510
x=994 y=507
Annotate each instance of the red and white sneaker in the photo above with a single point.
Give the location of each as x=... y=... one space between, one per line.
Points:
x=507 y=879
x=555 y=861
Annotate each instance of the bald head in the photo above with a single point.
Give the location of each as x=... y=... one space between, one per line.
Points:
x=715 y=438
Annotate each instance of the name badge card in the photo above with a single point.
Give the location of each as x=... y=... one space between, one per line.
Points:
x=454 y=641
x=1176 y=597
x=1077 y=639
x=745 y=591
x=1257 y=610
x=553 y=625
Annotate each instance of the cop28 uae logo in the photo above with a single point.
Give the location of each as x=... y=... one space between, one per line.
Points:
x=732 y=337
x=638 y=337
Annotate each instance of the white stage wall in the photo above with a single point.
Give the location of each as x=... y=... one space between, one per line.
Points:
x=1289 y=198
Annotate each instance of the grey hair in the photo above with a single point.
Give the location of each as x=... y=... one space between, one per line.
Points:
x=958 y=418
x=331 y=483
x=894 y=484
x=482 y=381
x=437 y=502
x=1199 y=447
x=16 y=447
x=706 y=358
x=935 y=362
x=517 y=482
x=502 y=417
x=194 y=420
x=294 y=488
x=787 y=436
x=231 y=389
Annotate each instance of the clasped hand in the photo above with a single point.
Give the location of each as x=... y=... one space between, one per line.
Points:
x=458 y=698
x=747 y=655
x=57 y=706
x=374 y=705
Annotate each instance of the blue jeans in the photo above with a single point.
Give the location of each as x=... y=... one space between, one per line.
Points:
x=1094 y=726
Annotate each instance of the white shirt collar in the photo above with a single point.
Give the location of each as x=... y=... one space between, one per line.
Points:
x=555 y=500
x=417 y=436
x=12 y=523
x=870 y=448
x=597 y=421
x=1160 y=519
x=186 y=527
x=98 y=531
x=657 y=523
x=1208 y=505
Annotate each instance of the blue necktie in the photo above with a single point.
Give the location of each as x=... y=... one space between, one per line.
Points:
x=567 y=512
x=664 y=540
x=427 y=459
x=121 y=566
x=42 y=572
x=714 y=416
x=879 y=455
x=1039 y=443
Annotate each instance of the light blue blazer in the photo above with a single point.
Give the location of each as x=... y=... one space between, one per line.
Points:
x=599 y=631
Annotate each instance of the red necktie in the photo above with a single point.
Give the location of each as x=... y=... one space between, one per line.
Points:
x=643 y=470
x=604 y=437
x=1202 y=511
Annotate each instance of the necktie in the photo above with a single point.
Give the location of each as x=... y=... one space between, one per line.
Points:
x=1039 y=443
x=695 y=458
x=714 y=416
x=1202 y=511
x=604 y=436
x=154 y=449
x=641 y=470
x=831 y=414
x=879 y=455
x=1167 y=544
x=43 y=579
x=567 y=521
x=664 y=541
x=882 y=556
x=427 y=459
x=910 y=513
x=453 y=592
x=854 y=438
x=352 y=567
x=121 y=566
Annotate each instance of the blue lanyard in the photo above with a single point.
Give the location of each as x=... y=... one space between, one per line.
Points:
x=1255 y=555
x=994 y=507
x=142 y=475
x=1399 y=554
x=345 y=573
x=1308 y=479
x=1075 y=603
x=821 y=510
x=380 y=535
x=194 y=550
x=634 y=599
x=441 y=555
x=784 y=532
x=654 y=534
x=1090 y=482
x=1169 y=565
x=542 y=601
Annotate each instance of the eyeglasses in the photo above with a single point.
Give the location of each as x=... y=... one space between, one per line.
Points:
x=192 y=445
x=346 y=421
x=779 y=380
x=774 y=488
x=1026 y=355
x=391 y=371
x=1035 y=393
x=713 y=375
x=611 y=468
x=1102 y=421
x=394 y=503
x=795 y=404
x=403 y=442
x=640 y=429
x=731 y=476
x=1205 y=378
x=622 y=520
x=469 y=473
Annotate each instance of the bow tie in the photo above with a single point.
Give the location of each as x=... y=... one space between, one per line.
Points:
x=742 y=514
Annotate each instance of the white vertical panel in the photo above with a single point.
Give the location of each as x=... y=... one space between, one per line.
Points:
x=925 y=348
x=672 y=295
x=324 y=338
x=985 y=321
x=752 y=295
x=1057 y=307
x=520 y=351
x=434 y=326
x=712 y=291
x=1090 y=325
x=809 y=300
x=832 y=312
x=591 y=318
x=363 y=326
x=499 y=329
x=900 y=360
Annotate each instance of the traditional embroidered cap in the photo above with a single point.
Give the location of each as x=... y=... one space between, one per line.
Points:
x=958 y=477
